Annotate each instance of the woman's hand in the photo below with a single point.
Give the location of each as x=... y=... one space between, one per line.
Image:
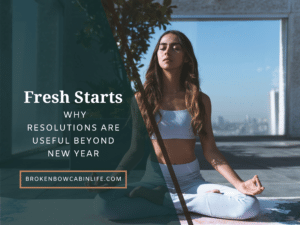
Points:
x=250 y=187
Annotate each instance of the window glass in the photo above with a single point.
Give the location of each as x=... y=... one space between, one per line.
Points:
x=23 y=70
x=238 y=65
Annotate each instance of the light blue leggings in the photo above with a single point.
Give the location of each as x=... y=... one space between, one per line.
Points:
x=230 y=204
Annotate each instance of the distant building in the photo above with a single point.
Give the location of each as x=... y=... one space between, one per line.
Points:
x=274 y=111
x=221 y=121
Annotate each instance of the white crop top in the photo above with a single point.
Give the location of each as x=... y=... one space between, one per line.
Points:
x=174 y=124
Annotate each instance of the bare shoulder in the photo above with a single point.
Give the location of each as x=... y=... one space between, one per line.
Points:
x=137 y=95
x=206 y=100
x=138 y=98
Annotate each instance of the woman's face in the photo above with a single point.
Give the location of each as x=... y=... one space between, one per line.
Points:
x=170 y=53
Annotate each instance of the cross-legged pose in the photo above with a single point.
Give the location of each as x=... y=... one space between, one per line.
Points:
x=182 y=112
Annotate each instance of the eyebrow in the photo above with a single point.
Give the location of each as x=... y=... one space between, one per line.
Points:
x=175 y=43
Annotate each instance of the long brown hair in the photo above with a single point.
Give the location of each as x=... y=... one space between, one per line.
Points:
x=189 y=80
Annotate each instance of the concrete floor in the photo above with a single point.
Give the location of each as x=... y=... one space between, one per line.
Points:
x=277 y=163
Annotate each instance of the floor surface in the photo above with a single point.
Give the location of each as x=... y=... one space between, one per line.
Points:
x=277 y=163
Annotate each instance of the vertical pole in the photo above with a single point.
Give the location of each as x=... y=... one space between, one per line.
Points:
x=282 y=78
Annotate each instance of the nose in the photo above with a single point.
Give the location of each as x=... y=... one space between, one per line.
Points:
x=168 y=50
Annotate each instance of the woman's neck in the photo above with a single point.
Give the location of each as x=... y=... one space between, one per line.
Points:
x=171 y=82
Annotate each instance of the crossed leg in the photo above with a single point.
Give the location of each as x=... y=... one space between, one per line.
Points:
x=119 y=205
x=218 y=201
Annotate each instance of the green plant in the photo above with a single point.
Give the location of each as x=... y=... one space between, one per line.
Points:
x=138 y=19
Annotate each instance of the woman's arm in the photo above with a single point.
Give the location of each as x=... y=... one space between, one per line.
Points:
x=136 y=151
x=218 y=161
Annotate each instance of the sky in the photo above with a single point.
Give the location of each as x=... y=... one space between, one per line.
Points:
x=238 y=64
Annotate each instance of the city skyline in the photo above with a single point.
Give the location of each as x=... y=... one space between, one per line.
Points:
x=250 y=126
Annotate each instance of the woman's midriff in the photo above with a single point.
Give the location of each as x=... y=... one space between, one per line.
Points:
x=180 y=151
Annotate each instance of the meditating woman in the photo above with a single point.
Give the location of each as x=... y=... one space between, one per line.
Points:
x=182 y=112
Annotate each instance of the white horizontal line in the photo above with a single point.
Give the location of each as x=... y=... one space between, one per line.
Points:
x=263 y=183
x=281 y=183
x=278 y=198
x=230 y=17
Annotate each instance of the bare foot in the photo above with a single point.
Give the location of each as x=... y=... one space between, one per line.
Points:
x=155 y=195
x=214 y=191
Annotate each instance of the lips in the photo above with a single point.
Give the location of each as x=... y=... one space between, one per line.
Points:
x=167 y=60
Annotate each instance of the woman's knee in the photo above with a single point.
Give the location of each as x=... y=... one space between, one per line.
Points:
x=248 y=208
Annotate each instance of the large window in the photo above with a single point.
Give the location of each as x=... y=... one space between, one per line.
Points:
x=24 y=71
x=238 y=64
